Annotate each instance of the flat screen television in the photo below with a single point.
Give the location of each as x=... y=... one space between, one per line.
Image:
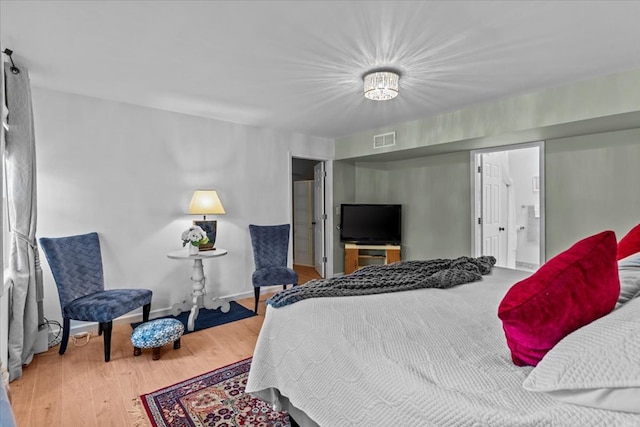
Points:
x=371 y=224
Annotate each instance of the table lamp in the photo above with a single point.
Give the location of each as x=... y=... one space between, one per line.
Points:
x=206 y=202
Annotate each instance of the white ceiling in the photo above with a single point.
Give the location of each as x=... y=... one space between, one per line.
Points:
x=298 y=66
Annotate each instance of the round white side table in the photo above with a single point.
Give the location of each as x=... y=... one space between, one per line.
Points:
x=198 y=289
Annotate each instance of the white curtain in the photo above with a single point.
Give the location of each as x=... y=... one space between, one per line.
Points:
x=23 y=271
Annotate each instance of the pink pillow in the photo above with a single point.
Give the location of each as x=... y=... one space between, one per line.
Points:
x=629 y=244
x=572 y=289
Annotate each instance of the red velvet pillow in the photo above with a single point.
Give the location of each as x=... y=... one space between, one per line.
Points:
x=629 y=244
x=572 y=289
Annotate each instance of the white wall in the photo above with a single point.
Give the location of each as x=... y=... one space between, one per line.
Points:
x=128 y=173
x=590 y=129
x=602 y=104
x=434 y=193
x=591 y=186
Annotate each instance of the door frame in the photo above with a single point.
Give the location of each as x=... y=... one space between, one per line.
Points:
x=320 y=260
x=328 y=202
x=475 y=194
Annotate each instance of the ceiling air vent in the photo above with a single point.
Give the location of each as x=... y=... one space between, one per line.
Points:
x=384 y=140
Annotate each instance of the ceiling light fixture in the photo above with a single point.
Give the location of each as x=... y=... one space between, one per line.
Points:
x=381 y=85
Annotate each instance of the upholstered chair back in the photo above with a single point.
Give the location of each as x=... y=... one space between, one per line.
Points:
x=76 y=265
x=270 y=245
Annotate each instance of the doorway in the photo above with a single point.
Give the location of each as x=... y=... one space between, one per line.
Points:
x=309 y=217
x=508 y=205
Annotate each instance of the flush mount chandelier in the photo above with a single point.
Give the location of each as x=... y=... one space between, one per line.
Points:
x=381 y=85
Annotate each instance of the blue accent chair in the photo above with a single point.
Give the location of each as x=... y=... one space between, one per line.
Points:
x=270 y=250
x=76 y=264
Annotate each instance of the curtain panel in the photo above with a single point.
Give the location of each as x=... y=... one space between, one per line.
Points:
x=23 y=270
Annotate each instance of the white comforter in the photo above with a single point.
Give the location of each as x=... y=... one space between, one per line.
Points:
x=427 y=357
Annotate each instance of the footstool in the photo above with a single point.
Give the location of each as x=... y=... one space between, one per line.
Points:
x=156 y=333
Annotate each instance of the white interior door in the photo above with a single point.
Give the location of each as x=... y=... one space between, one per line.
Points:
x=508 y=210
x=494 y=203
x=303 y=223
x=319 y=219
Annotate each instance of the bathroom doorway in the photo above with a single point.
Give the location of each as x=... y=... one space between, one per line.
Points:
x=508 y=205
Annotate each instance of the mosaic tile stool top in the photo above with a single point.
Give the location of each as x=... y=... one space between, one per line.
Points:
x=156 y=333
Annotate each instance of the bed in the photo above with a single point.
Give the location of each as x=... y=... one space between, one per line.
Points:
x=426 y=357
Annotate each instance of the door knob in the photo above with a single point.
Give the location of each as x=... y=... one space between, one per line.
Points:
x=500 y=228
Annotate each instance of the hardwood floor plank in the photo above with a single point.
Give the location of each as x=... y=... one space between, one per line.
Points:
x=305 y=273
x=23 y=394
x=81 y=373
x=111 y=405
x=48 y=387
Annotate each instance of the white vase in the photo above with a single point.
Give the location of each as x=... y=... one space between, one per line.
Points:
x=194 y=249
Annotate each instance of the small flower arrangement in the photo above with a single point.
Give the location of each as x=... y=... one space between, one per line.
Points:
x=194 y=235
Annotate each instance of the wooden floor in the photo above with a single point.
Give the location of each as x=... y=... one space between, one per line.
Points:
x=305 y=273
x=80 y=389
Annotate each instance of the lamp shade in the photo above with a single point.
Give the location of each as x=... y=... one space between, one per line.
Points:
x=205 y=202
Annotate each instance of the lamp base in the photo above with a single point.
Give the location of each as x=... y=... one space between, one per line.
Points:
x=209 y=227
x=206 y=247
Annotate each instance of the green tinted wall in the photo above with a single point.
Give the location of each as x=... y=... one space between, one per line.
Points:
x=593 y=184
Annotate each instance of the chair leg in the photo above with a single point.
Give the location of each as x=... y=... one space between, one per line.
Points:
x=137 y=351
x=156 y=353
x=66 y=325
x=284 y=287
x=146 y=309
x=106 y=328
x=99 y=329
x=256 y=293
x=176 y=344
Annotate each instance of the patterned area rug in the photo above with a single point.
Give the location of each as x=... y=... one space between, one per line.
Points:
x=216 y=398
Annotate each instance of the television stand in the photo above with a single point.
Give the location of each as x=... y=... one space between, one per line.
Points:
x=358 y=256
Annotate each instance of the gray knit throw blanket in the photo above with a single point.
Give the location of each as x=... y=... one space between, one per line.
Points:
x=396 y=277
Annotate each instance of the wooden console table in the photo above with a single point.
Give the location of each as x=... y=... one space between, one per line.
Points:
x=357 y=256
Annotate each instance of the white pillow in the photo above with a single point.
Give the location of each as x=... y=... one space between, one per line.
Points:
x=629 y=286
x=597 y=365
x=632 y=262
x=629 y=272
